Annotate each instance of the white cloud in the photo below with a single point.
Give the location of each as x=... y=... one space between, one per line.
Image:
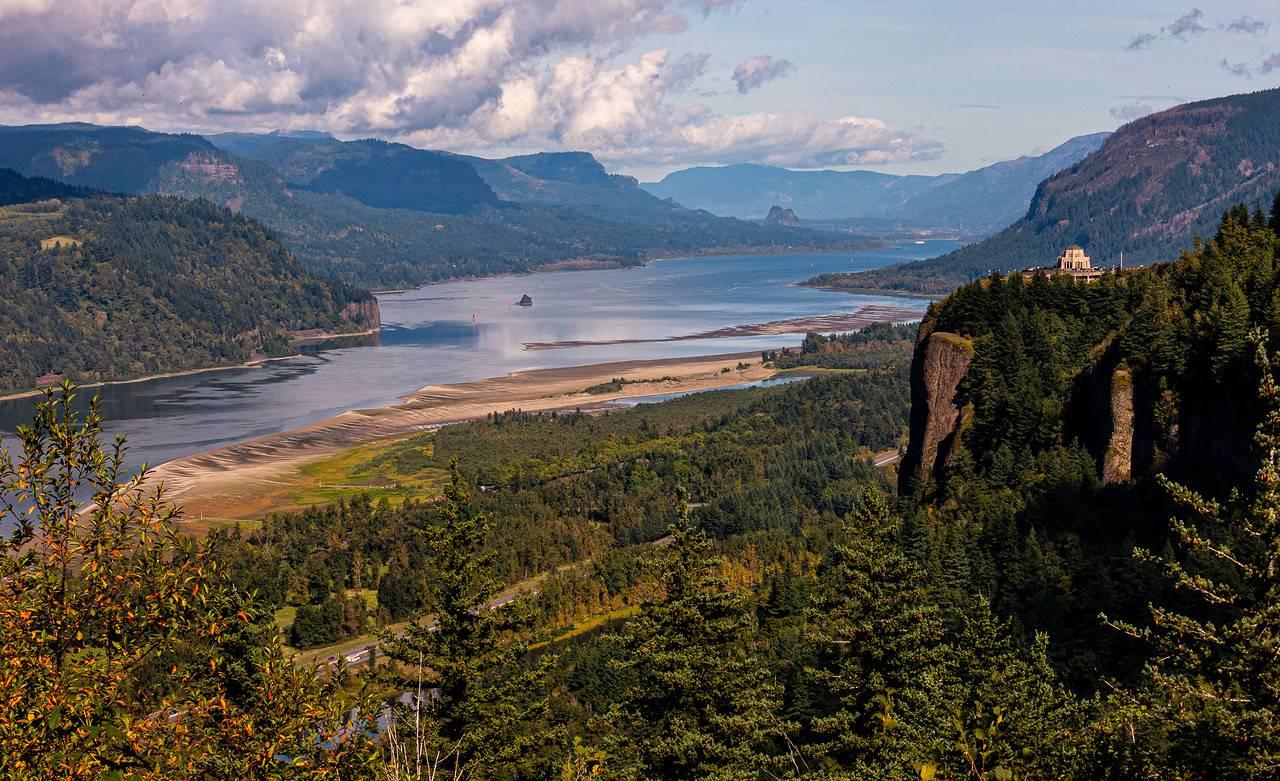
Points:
x=463 y=74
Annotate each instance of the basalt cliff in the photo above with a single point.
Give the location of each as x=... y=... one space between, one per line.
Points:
x=1150 y=370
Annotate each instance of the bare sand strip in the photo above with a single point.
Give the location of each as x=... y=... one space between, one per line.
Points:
x=850 y=321
x=230 y=482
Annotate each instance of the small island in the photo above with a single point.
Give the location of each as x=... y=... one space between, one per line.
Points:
x=525 y=301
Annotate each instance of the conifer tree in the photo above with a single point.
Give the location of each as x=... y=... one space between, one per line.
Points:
x=881 y=653
x=1013 y=721
x=700 y=703
x=1214 y=682
x=470 y=689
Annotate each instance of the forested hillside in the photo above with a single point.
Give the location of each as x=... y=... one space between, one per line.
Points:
x=16 y=188
x=106 y=287
x=375 y=173
x=1153 y=187
x=1073 y=584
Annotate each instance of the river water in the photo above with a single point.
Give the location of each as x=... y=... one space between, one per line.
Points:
x=470 y=330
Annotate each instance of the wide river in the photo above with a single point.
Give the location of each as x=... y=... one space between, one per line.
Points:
x=470 y=330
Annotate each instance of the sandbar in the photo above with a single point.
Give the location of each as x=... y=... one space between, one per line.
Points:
x=242 y=481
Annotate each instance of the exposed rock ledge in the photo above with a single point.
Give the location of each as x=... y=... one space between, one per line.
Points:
x=941 y=362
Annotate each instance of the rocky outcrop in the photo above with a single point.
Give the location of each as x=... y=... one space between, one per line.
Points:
x=364 y=313
x=1117 y=459
x=780 y=216
x=940 y=364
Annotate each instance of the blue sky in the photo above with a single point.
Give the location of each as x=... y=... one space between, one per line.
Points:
x=647 y=85
x=990 y=80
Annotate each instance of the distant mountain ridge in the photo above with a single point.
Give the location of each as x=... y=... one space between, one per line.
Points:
x=376 y=173
x=388 y=215
x=986 y=198
x=1155 y=185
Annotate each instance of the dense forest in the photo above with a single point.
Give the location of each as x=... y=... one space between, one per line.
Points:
x=1154 y=186
x=724 y=585
x=142 y=285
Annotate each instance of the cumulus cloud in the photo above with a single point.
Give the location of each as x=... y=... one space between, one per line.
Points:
x=1187 y=25
x=1271 y=63
x=1247 y=25
x=621 y=113
x=462 y=74
x=759 y=70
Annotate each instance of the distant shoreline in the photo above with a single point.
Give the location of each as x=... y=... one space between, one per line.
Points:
x=872 y=291
x=250 y=364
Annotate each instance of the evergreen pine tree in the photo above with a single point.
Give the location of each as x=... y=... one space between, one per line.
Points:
x=470 y=687
x=701 y=704
x=1214 y=682
x=880 y=650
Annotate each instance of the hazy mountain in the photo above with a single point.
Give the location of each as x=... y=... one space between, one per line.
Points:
x=748 y=191
x=986 y=198
x=990 y=198
x=574 y=180
x=1157 y=183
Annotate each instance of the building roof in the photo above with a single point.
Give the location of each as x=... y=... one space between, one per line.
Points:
x=1076 y=246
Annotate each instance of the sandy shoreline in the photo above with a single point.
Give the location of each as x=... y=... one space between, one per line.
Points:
x=849 y=321
x=232 y=481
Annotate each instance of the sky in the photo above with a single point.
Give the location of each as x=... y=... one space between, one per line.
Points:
x=648 y=86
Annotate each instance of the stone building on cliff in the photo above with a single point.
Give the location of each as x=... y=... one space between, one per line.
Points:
x=1072 y=261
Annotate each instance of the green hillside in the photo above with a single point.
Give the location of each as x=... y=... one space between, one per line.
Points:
x=152 y=284
x=1153 y=187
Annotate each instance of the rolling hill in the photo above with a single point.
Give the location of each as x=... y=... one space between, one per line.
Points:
x=1149 y=191
x=984 y=199
x=100 y=287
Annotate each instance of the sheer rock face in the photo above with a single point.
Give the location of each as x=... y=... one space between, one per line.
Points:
x=940 y=364
x=1117 y=461
x=364 y=313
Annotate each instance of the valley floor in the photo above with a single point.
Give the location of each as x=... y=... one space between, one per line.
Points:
x=248 y=479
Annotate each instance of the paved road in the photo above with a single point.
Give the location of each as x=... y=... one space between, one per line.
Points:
x=365 y=655
x=888 y=457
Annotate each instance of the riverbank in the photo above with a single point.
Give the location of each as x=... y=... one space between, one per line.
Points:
x=246 y=480
x=850 y=321
x=872 y=291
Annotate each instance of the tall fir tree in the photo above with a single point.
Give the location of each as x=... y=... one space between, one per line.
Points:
x=701 y=703
x=1212 y=696
x=881 y=656
x=462 y=661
